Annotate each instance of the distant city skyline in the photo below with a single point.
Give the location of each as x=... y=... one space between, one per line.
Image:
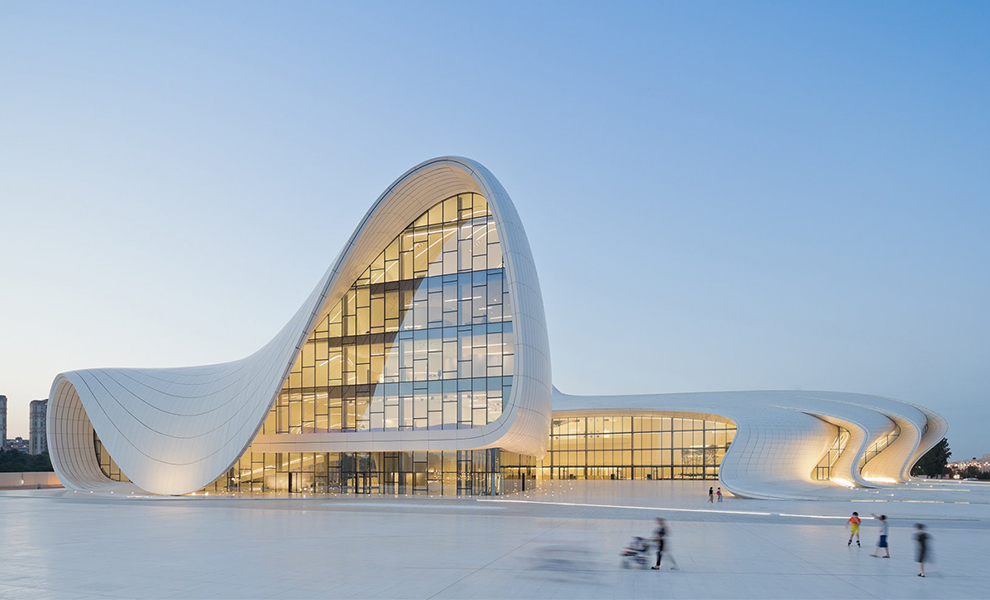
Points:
x=797 y=195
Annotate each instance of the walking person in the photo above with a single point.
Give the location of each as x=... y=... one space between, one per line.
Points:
x=659 y=535
x=882 y=542
x=711 y=495
x=922 y=538
x=854 y=523
x=718 y=493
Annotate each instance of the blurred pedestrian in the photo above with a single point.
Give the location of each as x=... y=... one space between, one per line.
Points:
x=719 y=494
x=711 y=495
x=922 y=538
x=659 y=537
x=882 y=542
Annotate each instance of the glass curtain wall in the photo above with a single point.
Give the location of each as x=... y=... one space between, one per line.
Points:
x=107 y=464
x=627 y=447
x=609 y=447
x=447 y=473
x=423 y=339
x=823 y=471
x=879 y=445
x=468 y=472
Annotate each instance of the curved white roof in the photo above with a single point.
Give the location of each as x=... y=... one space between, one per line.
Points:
x=781 y=436
x=173 y=431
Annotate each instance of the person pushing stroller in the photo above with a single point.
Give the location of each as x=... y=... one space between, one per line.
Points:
x=659 y=535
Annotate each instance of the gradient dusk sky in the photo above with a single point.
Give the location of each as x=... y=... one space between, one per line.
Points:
x=719 y=196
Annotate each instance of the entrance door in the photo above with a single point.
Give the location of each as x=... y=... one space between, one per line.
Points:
x=301 y=483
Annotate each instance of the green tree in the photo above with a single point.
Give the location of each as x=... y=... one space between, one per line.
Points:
x=12 y=461
x=933 y=462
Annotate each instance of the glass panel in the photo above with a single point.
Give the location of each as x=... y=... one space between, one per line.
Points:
x=608 y=447
x=422 y=339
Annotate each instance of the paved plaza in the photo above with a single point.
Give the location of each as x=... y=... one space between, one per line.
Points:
x=560 y=542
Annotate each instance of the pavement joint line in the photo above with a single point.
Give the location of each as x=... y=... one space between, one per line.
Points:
x=584 y=504
x=698 y=510
x=812 y=567
x=495 y=560
x=410 y=505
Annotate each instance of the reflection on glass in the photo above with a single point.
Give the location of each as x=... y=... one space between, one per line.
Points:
x=107 y=464
x=823 y=471
x=451 y=473
x=422 y=340
x=878 y=445
x=650 y=446
x=647 y=446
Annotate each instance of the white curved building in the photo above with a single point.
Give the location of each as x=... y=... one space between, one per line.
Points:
x=421 y=363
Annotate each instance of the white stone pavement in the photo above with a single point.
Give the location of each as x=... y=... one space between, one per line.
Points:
x=561 y=542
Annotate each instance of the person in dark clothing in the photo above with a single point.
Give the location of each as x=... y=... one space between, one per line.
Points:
x=658 y=536
x=922 y=538
x=711 y=495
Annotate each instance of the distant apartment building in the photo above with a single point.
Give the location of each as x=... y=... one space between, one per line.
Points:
x=3 y=422
x=982 y=463
x=39 y=438
x=18 y=444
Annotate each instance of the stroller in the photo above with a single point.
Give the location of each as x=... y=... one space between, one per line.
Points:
x=636 y=553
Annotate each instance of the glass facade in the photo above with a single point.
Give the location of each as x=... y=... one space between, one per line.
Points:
x=422 y=340
x=644 y=446
x=877 y=446
x=466 y=472
x=107 y=464
x=823 y=471
x=649 y=446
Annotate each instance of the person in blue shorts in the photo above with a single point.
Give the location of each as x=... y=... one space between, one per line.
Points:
x=882 y=542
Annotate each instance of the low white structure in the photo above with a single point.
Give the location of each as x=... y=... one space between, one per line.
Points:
x=783 y=436
x=424 y=343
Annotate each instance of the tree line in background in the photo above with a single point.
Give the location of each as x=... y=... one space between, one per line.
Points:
x=13 y=461
x=934 y=464
x=972 y=472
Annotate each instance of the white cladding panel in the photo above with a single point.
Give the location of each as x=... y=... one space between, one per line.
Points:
x=175 y=430
x=781 y=436
x=172 y=431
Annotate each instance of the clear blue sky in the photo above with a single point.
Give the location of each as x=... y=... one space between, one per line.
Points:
x=719 y=196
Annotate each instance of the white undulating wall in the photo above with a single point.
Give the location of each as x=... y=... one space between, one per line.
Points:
x=781 y=436
x=172 y=431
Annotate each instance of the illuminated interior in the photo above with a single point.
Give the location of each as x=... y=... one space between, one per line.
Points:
x=420 y=363
x=878 y=446
x=657 y=445
x=423 y=339
x=823 y=471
